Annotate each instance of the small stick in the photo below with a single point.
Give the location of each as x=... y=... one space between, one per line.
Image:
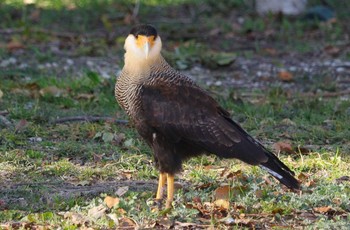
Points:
x=89 y=119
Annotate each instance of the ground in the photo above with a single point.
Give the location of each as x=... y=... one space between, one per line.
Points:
x=70 y=159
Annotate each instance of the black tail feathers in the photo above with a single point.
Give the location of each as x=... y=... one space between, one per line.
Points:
x=280 y=171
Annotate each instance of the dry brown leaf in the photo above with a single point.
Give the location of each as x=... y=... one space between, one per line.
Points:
x=323 y=209
x=185 y=225
x=271 y=51
x=283 y=147
x=222 y=192
x=14 y=45
x=127 y=174
x=337 y=201
x=343 y=179
x=127 y=223
x=20 y=91
x=111 y=201
x=259 y=193
x=221 y=203
x=86 y=96
x=238 y=190
x=303 y=176
x=77 y=218
x=285 y=76
x=97 y=157
x=22 y=124
x=52 y=91
x=332 y=50
x=1 y=94
x=277 y=210
x=121 y=211
x=97 y=212
x=303 y=149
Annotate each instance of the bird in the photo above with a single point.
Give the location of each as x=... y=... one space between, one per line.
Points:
x=178 y=119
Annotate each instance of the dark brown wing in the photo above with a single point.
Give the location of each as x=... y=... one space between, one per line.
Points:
x=181 y=111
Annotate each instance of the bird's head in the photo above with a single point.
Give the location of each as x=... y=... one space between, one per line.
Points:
x=143 y=42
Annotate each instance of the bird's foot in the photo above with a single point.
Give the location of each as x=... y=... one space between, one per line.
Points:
x=168 y=204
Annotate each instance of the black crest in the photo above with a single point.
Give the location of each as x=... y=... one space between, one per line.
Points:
x=146 y=30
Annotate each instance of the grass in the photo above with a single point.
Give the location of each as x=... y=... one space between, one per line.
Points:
x=73 y=154
x=58 y=174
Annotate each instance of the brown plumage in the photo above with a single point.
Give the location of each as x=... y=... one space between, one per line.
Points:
x=178 y=119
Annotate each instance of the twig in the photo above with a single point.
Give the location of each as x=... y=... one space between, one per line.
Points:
x=327 y=94
x=50 y=32
x=136 y=9
x=89 y=119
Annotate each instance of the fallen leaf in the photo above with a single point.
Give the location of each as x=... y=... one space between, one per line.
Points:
x=23 y=92
x=52 y=91
x=82 y=183
x=21 y=125
x=222 y=192
x=285 y=76
x=310 y=183
x=97 y=157
x=337 y=201
x=14 y=45
x=76 y=218
x=332 y=50
x=277 y=210
x=303 y=176
x=127 y=174
x=343 y=179
x=127 y=223
x=114 y=218
x=283 y=147
x=121 y=211
x=303 y=149
x=97 y=212
x=288 y=122
x=223 y=59
x=86 y=96
x=122 y=190
x=129 y=142
x=119 y=138
x=228 y=220
x=259 y=193
x=271 y=51
x=214 y=32
x=221 y=203
x=107 y=137
x=111 y=201
x=323 y=209
x=1 y=94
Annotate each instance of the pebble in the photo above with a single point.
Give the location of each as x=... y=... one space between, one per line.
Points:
x=35 y=139
x=7 y=62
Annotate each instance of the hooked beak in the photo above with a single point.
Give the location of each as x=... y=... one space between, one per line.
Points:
x=146 y=48
x=145 y=43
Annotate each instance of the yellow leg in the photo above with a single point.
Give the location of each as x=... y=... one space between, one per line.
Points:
x=161 y=184
x=170 y=190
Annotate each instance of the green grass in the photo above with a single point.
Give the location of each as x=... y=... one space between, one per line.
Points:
x=75 y=154
x=57 y=175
